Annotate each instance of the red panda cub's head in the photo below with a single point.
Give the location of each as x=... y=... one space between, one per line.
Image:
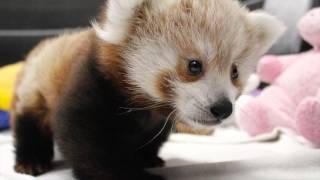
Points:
x=195 y=55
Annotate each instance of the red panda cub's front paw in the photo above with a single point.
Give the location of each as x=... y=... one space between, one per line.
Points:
x=32 y=169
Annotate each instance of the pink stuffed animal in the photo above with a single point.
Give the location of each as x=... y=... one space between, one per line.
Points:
x=293 y=99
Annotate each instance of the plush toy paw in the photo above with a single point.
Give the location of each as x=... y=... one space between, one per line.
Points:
x=252 y=116
x=308 y=120
x=269 y=68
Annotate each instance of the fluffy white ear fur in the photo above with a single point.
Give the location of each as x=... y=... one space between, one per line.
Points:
x=269 y=28
x=118 y=16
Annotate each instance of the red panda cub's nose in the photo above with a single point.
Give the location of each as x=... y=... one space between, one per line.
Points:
x=222 y=109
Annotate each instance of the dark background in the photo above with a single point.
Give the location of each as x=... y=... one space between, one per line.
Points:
x=25 y=22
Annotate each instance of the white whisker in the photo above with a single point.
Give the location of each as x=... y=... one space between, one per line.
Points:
x=158 y=134
x=174 y=121
x=156 y=105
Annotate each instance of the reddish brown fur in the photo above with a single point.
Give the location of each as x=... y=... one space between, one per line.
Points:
x=192 y=29
x=110 y=62
x=164 y=85
x=184 y=128
x=72 y=49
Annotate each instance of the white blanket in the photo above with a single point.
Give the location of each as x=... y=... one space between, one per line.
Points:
x=227 y=155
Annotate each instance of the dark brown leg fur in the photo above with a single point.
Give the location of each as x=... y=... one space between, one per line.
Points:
x=33 y=144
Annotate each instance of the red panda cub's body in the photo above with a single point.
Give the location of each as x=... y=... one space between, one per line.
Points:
x=109 y=95
x=45 y=75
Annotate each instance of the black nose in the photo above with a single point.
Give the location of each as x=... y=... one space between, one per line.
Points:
x=222 y=109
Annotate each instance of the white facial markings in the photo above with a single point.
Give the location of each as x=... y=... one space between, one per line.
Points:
x=150 y=58
x=194 y=100
x=154 y=51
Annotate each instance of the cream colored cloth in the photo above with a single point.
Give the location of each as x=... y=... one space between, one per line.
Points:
x=227 y=154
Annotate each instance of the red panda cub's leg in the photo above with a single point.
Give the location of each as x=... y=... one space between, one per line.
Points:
x=32 y=131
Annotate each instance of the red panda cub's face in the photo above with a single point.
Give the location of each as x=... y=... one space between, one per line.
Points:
x=193 y=54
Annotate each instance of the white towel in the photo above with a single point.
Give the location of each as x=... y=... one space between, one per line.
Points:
x=227 y=154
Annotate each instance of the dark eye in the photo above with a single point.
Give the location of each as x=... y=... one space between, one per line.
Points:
x=234 y=72
x=195 y=67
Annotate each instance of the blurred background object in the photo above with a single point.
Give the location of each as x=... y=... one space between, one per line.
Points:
x=253 y=4
x=290 y=13
x=25 y=23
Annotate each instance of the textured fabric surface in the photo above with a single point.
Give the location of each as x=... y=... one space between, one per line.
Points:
x=227 y=154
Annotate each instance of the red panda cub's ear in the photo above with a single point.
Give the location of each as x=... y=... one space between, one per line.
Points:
x=268 y=29
x=117 y=19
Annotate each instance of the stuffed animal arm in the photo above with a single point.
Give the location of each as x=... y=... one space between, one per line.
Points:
x=270 y=67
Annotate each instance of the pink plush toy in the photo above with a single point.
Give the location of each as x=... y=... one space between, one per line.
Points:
x=293 y=99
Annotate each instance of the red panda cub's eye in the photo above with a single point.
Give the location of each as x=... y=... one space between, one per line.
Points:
x=195 y=67
x=234 y=72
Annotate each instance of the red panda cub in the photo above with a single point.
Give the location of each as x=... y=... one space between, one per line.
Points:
x=109 y=95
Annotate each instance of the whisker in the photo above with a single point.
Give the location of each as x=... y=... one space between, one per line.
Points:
x=174 y=121
x=154 y=106
x=158 y=134
x=144 y=108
